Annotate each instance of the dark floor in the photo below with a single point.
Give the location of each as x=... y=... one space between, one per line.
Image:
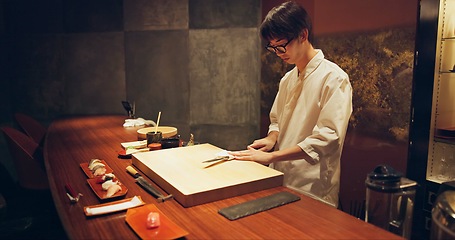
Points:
x=26 y=214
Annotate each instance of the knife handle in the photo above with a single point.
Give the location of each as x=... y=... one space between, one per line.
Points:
x=132 y=171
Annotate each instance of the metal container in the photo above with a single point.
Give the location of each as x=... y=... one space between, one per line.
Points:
x=390 y=200
x=443 y=216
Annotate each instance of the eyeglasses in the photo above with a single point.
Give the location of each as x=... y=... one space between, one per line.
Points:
x=278 y=49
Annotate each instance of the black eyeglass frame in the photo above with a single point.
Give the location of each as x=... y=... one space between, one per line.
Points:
x=279 y=48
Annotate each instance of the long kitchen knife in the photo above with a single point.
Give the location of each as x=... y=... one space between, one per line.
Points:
x=146 y=185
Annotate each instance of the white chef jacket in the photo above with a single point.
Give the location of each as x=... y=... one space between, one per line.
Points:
x=312 y=110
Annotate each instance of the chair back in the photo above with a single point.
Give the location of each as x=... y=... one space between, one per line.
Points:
x=28 y=159
x=31 y=127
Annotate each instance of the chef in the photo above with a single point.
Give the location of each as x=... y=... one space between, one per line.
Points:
x=310 y=114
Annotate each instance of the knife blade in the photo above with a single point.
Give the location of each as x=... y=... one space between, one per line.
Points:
x=219 y=158
x=147 y=186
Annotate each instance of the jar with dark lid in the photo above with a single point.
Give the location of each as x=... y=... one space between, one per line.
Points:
x=390 y=200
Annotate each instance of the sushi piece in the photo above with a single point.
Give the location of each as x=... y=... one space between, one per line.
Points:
x=153 y=220
x=105 y=177
x=99 y=171
x=95 y=163
x=97 y=167
x=107 y=184
x=111 y=187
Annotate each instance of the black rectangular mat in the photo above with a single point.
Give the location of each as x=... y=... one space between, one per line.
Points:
x=258 y=205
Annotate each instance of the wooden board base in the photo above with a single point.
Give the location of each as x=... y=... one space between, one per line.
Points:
x=180 y=172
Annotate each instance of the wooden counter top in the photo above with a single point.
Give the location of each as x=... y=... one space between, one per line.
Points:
x=72 y=141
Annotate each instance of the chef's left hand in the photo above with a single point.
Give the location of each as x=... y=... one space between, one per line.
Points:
x=251 y=154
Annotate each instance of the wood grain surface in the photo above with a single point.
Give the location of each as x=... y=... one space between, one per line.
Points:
x=183 y=173
x=75 y=140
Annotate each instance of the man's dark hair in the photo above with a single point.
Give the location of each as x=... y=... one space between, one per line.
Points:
x=286 y=21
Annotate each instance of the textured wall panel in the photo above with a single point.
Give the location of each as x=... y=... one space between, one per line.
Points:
x=157 y=74
x=93 y=16
x=95 y=74
x=2 y=21
x=232 y=137
x=30 y=16
x=224 y=76
x=6 y=89
x=156 y=15
x=34 y=70
x=224 y=91
x=107 y=51
x=224 y=14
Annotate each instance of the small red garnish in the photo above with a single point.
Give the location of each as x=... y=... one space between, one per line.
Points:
x=100 y=179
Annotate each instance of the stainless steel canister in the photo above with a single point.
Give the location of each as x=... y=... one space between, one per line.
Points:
x=443 y=216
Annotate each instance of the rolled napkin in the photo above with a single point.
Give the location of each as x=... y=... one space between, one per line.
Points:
x=138 y=122
x=135 y=144
x=114 y=206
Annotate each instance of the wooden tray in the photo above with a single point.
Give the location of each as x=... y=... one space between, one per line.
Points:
x=166 y=132
x=89 y=173
x=101 y=194
x=116 y=206
x=136 y=219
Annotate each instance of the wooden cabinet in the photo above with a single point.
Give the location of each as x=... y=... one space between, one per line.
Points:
x=431 y=157
x=442 y=129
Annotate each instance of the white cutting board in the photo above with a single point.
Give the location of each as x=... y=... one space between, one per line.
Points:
x=180 y=172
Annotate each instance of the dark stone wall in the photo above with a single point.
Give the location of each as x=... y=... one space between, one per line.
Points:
x=196 y=61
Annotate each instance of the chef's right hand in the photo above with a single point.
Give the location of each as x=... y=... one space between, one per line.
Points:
x=265 y=144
